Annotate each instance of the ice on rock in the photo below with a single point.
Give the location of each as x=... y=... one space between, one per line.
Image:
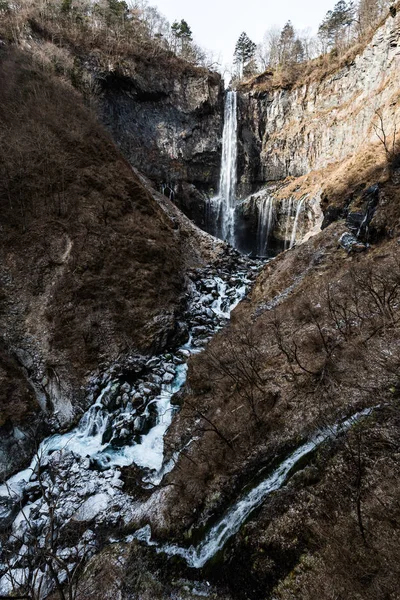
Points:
x=92 y=507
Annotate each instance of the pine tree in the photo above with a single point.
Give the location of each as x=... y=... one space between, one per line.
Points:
x=286 y=44
x=298 y=51
x=245 y=51
x=118 y=9
x=336 y=25
x=182 y=34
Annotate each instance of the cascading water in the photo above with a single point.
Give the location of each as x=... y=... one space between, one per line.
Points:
x=223 y=205
x=265 y=221
x=288 y=206
x=125 y=425
x=296 y=223
x=236 y=515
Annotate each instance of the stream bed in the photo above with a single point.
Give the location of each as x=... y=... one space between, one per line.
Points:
x=76 y=476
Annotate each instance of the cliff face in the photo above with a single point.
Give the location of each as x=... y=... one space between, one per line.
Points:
x=300 y=147
x=292 y=132
x=167 y=120
x=93 y=261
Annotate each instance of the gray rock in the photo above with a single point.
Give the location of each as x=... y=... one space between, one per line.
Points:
x=168 y=378
x=351 y=244
x=125 y=388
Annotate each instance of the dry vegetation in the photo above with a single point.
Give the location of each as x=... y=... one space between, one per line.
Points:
x=91 y=265
x=61 y=34
x=319 y=339
x=297 y=74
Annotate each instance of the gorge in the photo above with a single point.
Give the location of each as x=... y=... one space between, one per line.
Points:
x=199 y=318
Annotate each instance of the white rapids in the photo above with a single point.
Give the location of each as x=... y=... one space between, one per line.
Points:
x=237 y=514
x=87 y=439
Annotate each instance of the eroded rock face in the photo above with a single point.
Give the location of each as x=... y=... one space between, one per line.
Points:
x=268 y=223
x=289 y=132
x=92 y=263
x=168 y=122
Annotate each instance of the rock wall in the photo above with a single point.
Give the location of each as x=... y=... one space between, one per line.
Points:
x=167 y=120
x=290 y=132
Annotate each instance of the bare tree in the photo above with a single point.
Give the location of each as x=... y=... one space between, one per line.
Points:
x=388 y=141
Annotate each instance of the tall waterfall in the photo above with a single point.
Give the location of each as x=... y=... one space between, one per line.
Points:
x=227 y=185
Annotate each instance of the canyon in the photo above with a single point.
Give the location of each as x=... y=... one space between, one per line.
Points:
x=200 y=336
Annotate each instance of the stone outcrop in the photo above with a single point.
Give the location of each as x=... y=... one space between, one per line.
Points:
x=294 y=131
x=167 y=119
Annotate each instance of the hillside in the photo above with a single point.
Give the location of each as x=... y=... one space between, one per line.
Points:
x=201 y=423
x=92 y=264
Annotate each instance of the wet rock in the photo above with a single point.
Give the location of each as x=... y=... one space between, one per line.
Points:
x=200 y=330
x=351 y=244
x=9 y=508
x=125 y=388
x=92 y=507
x=168 y=377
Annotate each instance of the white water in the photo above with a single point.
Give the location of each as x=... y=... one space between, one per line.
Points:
x=265 y=220
x=288 y=209
x=233 y=519
x=226 y=199
x=86 y=440
x=296 y=223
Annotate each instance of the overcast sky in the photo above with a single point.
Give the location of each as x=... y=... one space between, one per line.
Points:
x=217 y=24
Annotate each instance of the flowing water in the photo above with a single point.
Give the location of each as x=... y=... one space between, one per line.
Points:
x=110 y=434
x=221 y=212
x=236 y=515
x=296 y=223
x=265 y=223
x=288 y=207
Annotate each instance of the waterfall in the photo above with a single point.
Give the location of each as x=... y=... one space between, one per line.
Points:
x=227 y=185
x=288 y=209
x=265 y=218
x=296 y=222
x=230 y=523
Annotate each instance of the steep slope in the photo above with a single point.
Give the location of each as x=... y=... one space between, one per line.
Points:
x=316 y=342
x=318 y=138
x=165 y=113
x=92 y=264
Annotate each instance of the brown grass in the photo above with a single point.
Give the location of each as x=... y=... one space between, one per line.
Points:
x=91 y=264
x=314 y=71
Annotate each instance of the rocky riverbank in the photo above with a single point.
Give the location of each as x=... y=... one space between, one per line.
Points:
x=75 y=478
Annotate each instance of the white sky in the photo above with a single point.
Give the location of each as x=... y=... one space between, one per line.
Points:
x=217 y=24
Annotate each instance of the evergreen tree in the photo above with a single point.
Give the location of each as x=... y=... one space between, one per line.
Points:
x=118 y=9
x=182 y=34
x=286 y=44
x=245 y=51
x=336 y=25
x=298 y=51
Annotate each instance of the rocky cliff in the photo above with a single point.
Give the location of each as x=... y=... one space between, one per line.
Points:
x=324 y=120
x=312 y=136
x=167 y=119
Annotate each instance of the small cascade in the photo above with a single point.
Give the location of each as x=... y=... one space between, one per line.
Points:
x=233 y=519
x=222 y=207
x=288 y=206
x=296 y=223
x=265 y=222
